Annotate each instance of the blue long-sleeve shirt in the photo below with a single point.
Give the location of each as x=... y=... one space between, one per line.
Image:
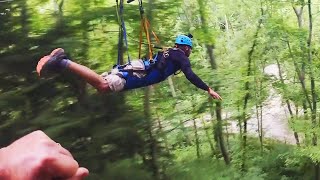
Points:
x=176 y=61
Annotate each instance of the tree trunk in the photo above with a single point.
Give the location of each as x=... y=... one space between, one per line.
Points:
x=259 y=121
x=299 y=13
x=296 y=136
x=313 y=91
x=258 y=104
x=217 y=129
x=301 y=77
x=81 y=85
x=247 y=89
x=151 y=140
x=161 y=131
x=208 y=136
x=197 y=137
x=173 y=91
x=120 y=46
x=195 y=130
x=312 y=79
x=153 y=145
x=24 y=21
x=59 y=11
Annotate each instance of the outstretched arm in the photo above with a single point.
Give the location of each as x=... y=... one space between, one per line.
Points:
x=180 y=58
x=194 y=79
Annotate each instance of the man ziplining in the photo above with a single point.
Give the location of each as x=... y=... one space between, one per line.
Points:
x=133 y=75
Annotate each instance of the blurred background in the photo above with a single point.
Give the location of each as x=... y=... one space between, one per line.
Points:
x=262 y=57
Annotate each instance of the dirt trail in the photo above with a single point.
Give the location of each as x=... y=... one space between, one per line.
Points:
x=275 y=115
x=274 y=120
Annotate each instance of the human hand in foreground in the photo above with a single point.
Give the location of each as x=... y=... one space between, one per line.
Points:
x=37 y=157
x=213 y=94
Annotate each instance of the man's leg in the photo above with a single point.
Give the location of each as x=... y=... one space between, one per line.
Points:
x=57 y=61
x=89 y=76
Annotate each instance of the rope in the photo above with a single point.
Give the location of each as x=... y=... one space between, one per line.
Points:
x=154 y=34
x=148 y=37
x=119 y=35
x=123 y=28
x=145 y=25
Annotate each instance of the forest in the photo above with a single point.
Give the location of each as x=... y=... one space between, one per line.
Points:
x=261 y=56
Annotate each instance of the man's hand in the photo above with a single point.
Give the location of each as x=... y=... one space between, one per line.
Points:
x=214 y=94
x=36 y=156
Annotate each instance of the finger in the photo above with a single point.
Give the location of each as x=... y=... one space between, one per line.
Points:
x=60 y=166
x=56 y=148
x=218 y=97
x=64 y=151
x=80 y=174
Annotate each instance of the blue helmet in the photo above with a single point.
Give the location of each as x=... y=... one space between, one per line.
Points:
x=184 y=40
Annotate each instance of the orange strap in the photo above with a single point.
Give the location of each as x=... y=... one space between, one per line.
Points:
x=154 y=34
x=145 y=25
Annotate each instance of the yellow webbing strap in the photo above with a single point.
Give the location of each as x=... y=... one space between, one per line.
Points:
x=145 y=25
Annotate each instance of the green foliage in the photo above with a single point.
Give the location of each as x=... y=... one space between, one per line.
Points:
x=110 y=135
x=277 y=161
x=126 y=170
